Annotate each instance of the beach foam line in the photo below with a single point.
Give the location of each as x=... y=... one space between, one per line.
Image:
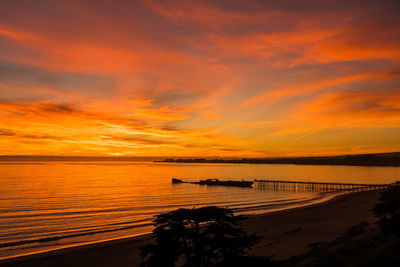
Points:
x=72 y=246
x=55 y=238
x=269 y=208
x=287 y=206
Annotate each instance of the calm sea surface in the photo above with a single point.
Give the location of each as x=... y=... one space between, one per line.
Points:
x=45 y=205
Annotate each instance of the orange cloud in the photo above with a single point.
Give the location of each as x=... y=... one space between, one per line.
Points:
x=186 y=78
x=376 y=108
x=376 y=41
x=141 y=102
x=357 y=107
x=163 y=113
x=315 y=86
x=19 y=35
x=205 y=13
x=49 y=125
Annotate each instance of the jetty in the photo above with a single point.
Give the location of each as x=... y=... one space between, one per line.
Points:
x=283 y=185
x=316 y=186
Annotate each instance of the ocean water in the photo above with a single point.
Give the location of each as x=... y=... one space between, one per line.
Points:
x=47 y=205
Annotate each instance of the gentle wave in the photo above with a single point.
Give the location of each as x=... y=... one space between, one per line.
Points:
x=282 y=204
x=54 y=238
x=46 y=205
x=99 y=211
x=239 y=208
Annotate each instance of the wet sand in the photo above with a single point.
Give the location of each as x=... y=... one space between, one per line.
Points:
x=286 y=233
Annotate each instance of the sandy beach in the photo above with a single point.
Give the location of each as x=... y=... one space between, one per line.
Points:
x=286 y=233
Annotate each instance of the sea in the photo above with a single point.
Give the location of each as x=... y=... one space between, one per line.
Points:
x=51 y=205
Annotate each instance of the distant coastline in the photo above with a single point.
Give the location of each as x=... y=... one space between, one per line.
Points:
x=378 y=159
x=34 y=158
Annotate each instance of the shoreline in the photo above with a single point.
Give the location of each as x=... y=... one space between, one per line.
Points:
x=270 y=208
x=274 y=226
x=89 y=243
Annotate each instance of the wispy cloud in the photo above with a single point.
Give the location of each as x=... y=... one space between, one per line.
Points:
x=198 y=77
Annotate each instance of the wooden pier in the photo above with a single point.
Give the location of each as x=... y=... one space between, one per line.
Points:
x=315 y=186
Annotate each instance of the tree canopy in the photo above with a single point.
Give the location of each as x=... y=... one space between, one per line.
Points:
x=208 y=236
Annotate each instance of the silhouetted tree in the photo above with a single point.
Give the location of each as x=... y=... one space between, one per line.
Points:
x=388 y=210
x=208 y=236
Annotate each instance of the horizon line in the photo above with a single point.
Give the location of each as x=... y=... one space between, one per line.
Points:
x=186 y=157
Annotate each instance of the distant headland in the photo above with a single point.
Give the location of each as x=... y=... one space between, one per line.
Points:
x=377 y=159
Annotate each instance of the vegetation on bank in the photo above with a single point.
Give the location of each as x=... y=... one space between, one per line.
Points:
x=388 y=211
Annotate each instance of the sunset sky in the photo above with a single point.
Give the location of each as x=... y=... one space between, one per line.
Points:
x=199 y=78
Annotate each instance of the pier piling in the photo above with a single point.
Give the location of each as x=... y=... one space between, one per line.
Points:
x=316 y=186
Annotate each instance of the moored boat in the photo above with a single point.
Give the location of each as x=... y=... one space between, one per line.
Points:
x=217 y=182
x=226 y=183
x=176 y=181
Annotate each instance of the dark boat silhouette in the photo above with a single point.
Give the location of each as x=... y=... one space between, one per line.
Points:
x=216 y=182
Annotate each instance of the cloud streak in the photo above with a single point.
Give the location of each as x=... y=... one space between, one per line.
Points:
x=216 y=78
